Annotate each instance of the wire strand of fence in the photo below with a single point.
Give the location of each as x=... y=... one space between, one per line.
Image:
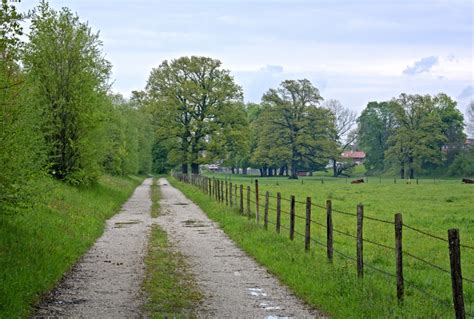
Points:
x=378 y=244
x=379 y=220
x=344 y=213
x=319 y=206
x=424 y=233
x=426 y=262
x=318 y=223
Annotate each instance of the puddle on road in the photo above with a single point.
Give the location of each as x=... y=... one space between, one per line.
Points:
x=127 y=223
x=257 y=292
x=194 y=223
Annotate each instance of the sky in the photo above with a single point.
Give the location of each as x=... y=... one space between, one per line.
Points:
x=352 y=51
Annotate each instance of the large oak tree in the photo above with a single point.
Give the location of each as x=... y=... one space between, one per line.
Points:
x=196 y=104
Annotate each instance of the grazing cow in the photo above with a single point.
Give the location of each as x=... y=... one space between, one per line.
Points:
x=357 y=181
x=467 y=181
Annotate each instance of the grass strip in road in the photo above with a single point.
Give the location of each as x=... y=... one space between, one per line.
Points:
x=155 y=198
x=331 y=288
x=169 y=286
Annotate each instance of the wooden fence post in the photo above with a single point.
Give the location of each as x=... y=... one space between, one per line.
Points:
x=230 y=195
x=214 y=187
x=292 y=217
x=456 y=274
x=399 y=256
x=329 y=229
x=265 y=214
x=226 y=193
x=278 y=213
x=257 y=217
x=248 y=201
x=241 y=199
x=222 y=191
x=221 y=194
x=307 y=235
x=210 y=187
x=360 y=243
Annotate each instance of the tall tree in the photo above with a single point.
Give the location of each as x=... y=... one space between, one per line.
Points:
x=452 y=127
x=418 y=133
x=344 y=136
x=68 y=77
x=193 y=96
x=375 y=125
x=300 y=130
x=21 y=146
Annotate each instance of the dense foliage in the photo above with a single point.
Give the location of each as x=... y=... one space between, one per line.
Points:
x=57 y=114
x=412 y=133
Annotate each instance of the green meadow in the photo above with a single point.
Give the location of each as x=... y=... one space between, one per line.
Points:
x=431 y=205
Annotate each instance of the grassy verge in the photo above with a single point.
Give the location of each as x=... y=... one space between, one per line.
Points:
x=39 y=246
x=333 y=288
x=170 y=288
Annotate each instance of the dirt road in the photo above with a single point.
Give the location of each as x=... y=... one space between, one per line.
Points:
x=235 y=286
x=106 y=282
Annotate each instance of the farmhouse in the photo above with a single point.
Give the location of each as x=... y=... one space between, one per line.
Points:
x=357 y=157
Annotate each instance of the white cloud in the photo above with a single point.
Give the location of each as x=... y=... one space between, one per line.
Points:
x=421 y=66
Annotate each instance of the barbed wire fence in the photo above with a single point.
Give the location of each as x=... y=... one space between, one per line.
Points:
x=236 y=196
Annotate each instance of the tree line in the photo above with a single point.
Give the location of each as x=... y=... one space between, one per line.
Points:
x=201 y=119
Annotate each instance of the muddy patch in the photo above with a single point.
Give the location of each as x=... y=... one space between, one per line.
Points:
x=195 y=223
x=124 y=224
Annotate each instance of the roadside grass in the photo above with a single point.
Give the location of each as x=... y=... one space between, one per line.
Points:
x=335 y=288
x=38 y=246
x=170 y=288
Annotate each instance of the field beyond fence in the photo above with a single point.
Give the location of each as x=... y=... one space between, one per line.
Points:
x=318 y=226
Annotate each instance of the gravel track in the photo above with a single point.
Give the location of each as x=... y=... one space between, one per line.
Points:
x=106 y=282
x=234 y=285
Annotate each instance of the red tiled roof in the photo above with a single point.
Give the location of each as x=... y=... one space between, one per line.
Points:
x=353 y=154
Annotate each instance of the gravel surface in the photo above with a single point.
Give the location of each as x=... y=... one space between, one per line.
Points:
x=106 y=282
x=234 y=285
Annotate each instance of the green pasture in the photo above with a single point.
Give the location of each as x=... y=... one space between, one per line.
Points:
x=431 y=205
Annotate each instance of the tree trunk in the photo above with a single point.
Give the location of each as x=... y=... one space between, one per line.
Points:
x=244 y=170
x=286 y=170
x=270 y=172
x=311 y=173
x=334 y=167
x=282 y=171
x=402 y=172
x=232 y=170
x=194 y=168
x=184 y=168
x=293 y=171
x=410 y=168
